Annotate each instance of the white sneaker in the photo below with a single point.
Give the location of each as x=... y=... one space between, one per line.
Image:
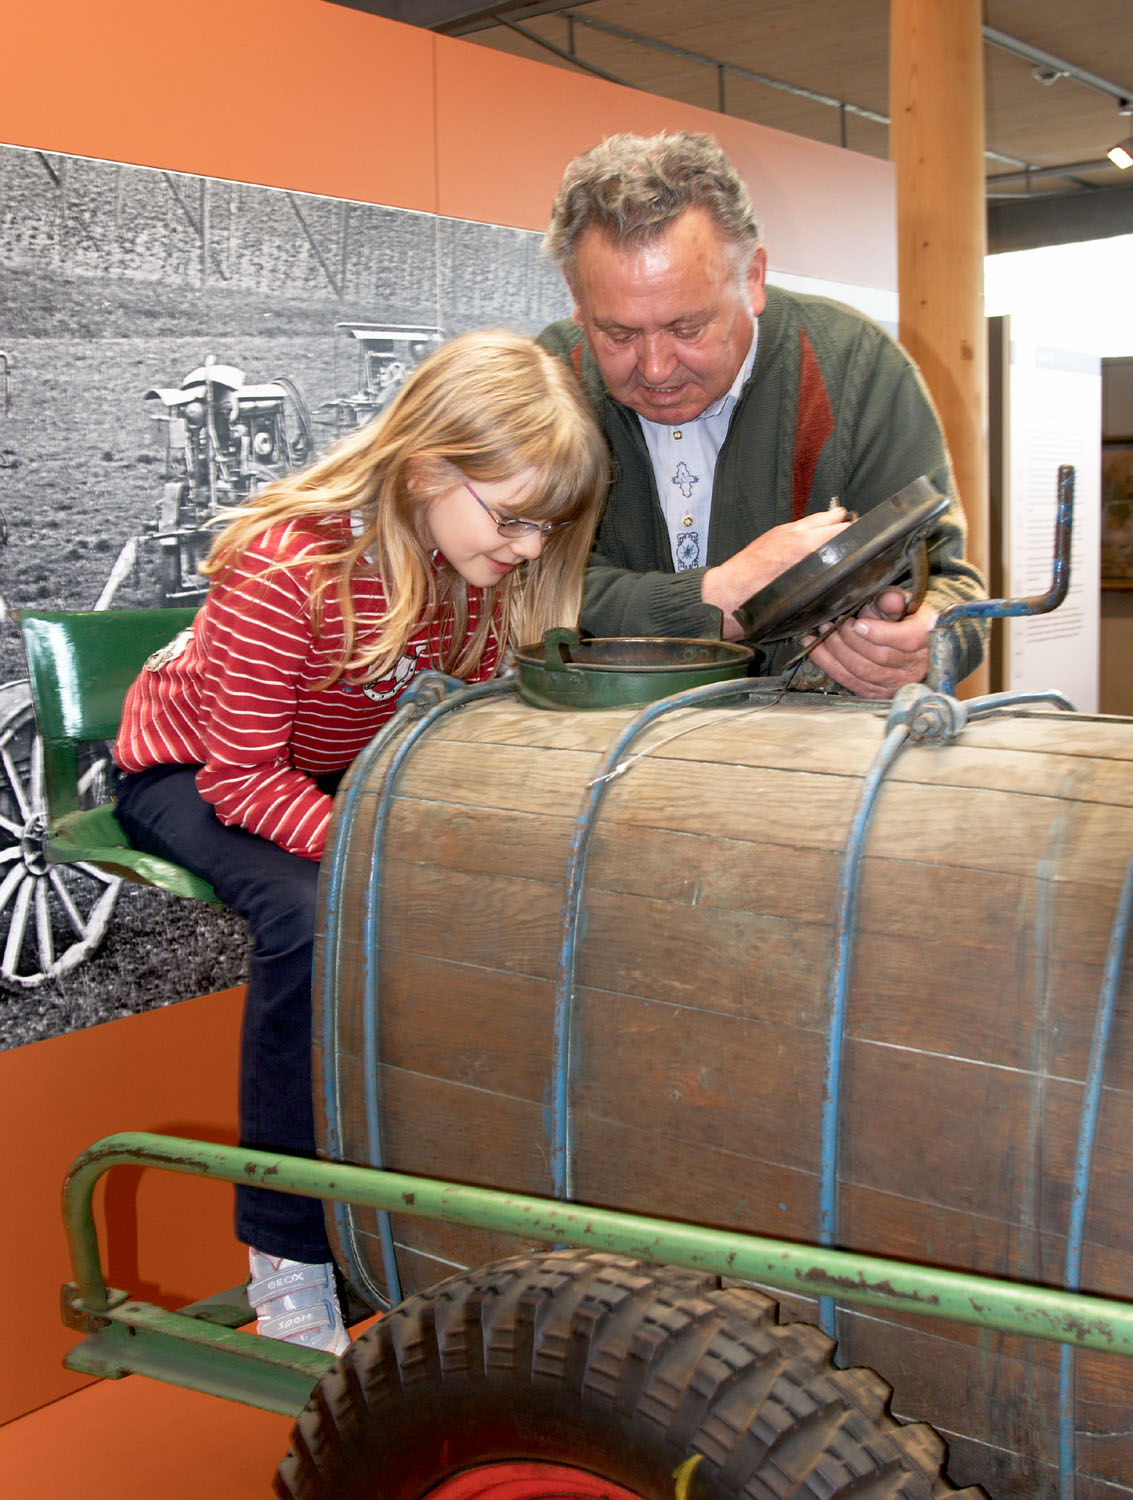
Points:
x=296 y=1302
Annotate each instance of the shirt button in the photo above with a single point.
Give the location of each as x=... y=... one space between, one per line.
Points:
x=687 y=521
x=677 y=434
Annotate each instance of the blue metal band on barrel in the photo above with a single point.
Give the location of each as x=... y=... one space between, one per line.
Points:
x=409 y=718
x=563 y=1024
x=1083 y=1164
x=331 y=875
x=841 y=968
x=907 y=719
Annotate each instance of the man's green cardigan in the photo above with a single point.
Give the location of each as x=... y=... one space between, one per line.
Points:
x=833 y=408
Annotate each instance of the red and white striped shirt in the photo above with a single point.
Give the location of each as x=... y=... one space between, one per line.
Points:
x=240 y=697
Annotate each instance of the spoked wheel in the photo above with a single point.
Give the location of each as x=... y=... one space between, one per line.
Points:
x=298 y=426
x=573 y=1375
x=52 y=917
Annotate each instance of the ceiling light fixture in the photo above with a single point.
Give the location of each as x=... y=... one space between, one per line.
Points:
x=1121 y=155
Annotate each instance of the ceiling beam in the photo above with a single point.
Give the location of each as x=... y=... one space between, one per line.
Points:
x=1026 y=223
x=441 y=15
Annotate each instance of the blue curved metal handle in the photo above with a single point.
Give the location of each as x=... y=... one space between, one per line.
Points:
x=942 y=643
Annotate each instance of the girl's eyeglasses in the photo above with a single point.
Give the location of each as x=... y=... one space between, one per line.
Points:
x=512 y=526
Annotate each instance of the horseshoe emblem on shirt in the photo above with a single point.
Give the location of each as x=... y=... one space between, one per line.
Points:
x=394 y=685
x=175 y=648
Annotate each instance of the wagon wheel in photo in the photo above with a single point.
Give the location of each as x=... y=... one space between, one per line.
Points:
x=298 y=424
x=576 y=1375
x=52 y=917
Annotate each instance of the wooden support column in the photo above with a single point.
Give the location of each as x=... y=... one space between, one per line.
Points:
x=936 y=140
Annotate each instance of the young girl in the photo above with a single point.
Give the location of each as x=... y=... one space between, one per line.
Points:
x=455 y=524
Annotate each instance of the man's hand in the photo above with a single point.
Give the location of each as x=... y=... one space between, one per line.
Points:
x=878 y=652
x=732 y=583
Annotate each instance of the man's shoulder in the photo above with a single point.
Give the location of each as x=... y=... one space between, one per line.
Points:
x=566 y=340
x=560 y=338
x=846 y=342
x=825 y=315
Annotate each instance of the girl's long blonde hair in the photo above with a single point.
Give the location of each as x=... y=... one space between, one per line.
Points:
x=484 y=406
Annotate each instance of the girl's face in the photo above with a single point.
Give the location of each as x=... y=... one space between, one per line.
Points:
x=459 y=526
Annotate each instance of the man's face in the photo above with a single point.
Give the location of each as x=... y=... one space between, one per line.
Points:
x=669 y=322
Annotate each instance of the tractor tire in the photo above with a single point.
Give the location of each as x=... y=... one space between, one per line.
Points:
x=572 y=1374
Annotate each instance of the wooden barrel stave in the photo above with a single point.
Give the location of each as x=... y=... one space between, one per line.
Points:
x=985 y=906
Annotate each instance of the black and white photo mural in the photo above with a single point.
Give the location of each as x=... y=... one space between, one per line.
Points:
x=167 y=345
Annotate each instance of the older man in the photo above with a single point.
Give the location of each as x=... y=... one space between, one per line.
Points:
x=741 y=417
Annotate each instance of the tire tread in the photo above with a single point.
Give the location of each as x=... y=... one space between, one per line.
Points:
x=641 y=1365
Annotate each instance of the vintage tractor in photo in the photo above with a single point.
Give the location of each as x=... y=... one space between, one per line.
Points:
x=378 y=357
x=224 y=440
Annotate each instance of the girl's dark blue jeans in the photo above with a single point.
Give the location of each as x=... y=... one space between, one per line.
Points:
x=275 y=892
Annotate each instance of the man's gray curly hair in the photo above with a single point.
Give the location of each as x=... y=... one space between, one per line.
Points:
x=632 y=187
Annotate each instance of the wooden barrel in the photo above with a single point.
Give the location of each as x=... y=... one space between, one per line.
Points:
x=711 y=953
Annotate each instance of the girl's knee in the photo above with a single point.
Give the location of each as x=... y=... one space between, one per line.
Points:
x=282 y=918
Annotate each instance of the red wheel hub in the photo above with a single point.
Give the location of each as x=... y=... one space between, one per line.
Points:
x=528 y=1481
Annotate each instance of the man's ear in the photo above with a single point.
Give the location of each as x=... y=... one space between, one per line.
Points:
x=757 y=281
x=576 y=310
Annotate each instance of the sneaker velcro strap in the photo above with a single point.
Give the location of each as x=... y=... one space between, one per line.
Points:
x=284 y=1283
x=292 y=1325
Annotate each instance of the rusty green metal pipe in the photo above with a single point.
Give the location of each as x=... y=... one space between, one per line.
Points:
x=1012 y=1307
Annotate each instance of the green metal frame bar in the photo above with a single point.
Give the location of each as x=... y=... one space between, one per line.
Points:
x=131 y=1336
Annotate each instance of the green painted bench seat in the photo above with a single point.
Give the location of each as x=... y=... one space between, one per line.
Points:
x=80 y=666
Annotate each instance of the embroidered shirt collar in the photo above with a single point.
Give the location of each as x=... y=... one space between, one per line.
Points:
x=728 y=400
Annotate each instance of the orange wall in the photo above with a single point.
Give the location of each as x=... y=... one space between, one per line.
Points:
x=319 y=98
x=507 y=127
x=170 y=1238
x=288 y=93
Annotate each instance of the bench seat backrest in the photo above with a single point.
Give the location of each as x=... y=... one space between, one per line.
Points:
x=80 y=666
